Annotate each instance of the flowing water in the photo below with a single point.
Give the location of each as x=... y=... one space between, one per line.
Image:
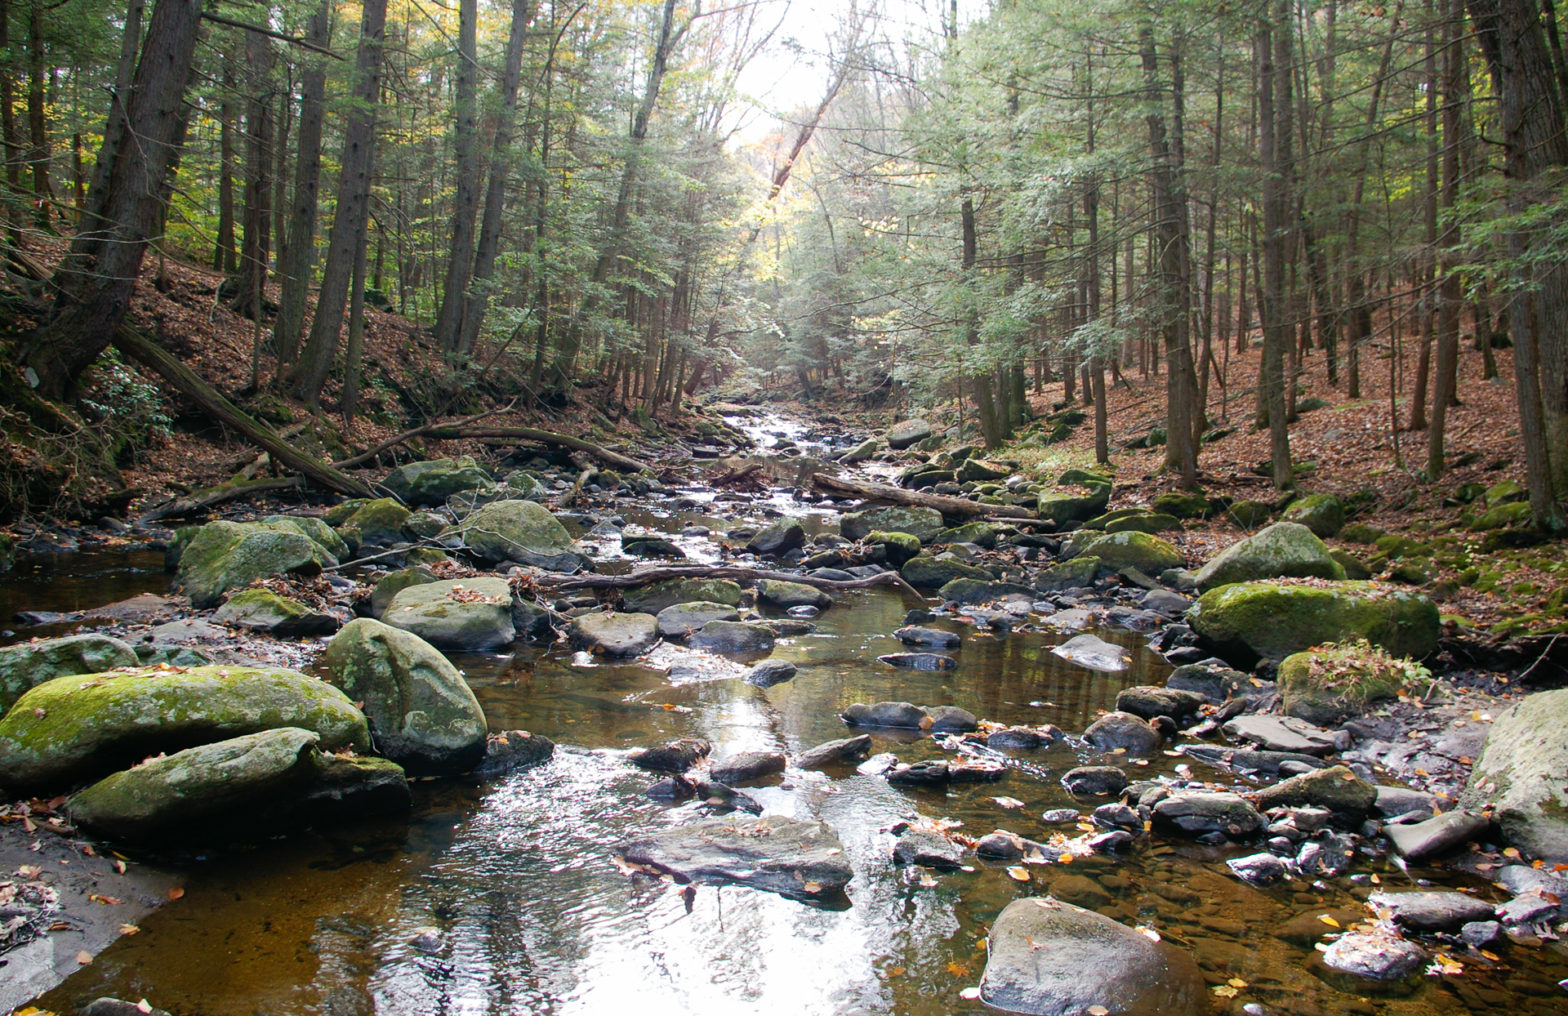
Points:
x=505 y=899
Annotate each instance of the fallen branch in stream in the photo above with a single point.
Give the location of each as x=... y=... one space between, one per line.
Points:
x=545 y=437
x=950 y=507
x=717 y=571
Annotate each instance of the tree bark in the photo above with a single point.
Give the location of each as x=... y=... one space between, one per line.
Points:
x=256 y=246
x=465 y=204
x=951 y=507
x=297 y=257
x=1273 y=148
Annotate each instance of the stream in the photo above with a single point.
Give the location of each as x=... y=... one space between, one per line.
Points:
x=504 y=899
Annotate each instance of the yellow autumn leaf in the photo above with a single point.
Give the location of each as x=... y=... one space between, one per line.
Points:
x=1224 y=991
x=1328 y=920
x=1018 y=873
x=1236 y=982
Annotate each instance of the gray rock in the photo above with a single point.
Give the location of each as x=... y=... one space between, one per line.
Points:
x=792 y=594
x=422 y=713
x=973 y=591
x=1117 y=816
x=682 y=619
x=1392 y=801
x=1281 y=733
x=778 y=538
x=467 y=615
x=656 y=596
x=1283 y=550
x=231 y=555
x=928 y=775
x=846 y=751
x=1149 y=701
x=747 y=766
x=952 y=720
x=1437 y=835
x=1023 y=738
x=770 y=672
x=510 y=751
x=1520 y=775
x=1336 y=788
x=265 y=611
x=32 y=663
x=928 y=849
x=907 y=432
x=1259 y=869
x=433 y=481
x=1377 y=955
x=782 y=855
x=1199 y=813
x=389 y=585
x=1328 y=856
x=1214 y=681
x=1073 y=619
x=1094 y=781
x=732 y=637
x=919 y=661
x=1480 y=934
x=1431 y=911
x=926 y=572
x=520 y=531
x=924 y=524
x=719 y=798
x=1051 y=958
x=614 y=634
x=1163 y=601
x=1125 y=731
x=674 y=757
x=885 y=714
x=651 y=546
x=1094 y=653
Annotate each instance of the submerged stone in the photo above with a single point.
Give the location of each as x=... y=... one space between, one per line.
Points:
x=777 y=854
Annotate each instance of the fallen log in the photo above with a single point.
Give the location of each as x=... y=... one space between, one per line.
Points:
x=544 y=437
x=185 y=381
x=419 y=431
x=658 y=573
x=226 y=491
x=952 y=508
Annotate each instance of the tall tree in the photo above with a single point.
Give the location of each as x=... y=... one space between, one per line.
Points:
x=297 y=253
x=465 y=204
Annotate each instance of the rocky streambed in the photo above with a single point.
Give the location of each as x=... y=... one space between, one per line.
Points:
x=1046 y=783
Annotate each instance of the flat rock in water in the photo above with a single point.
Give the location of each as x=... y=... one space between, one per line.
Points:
x=784 y=594
x=1050 y=958
x=747 y=766
x=1201 y=813
x=919 y=661
x=782 y=855
x=846 y=751
x=1149 y=701
x=681 y=619
x=615 y=634
x=914 y=635
x=733 y=637
x=1071 y=619
x=1248 y=760
x=927 y=848
x=1094 y=781
x=952 y=720
x=1336 y=788
x=1281 y=733
x=885 y=714
x=1259 y=869
x=1094 y=653
x=675 y=757
x=770 y=672
x=1431 y=911
x=1436 y=835
x=1123 y=731
x=1377 y=955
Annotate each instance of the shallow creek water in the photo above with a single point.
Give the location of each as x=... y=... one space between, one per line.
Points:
x=504 y=899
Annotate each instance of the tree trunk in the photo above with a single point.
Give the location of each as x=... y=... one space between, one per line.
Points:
x=465 y=204
x=1450 y=295
x=1272 y=147
x=352 y=214
x=297 y=257
x=38 y=150
x=251 y=282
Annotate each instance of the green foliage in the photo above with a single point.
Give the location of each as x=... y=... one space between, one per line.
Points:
x=132 y=410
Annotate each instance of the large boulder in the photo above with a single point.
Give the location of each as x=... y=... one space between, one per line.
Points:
x=654 y=597
x=1051 y=958
x=782 y=855
x=926 y=572
x=231 y=555
x=1520 y=775
x=433 y=481
x=73 y=729
x=1283 y=550
x=32 y=663
x=266 y=611
x=615 y=634
x=1131 y=549
x=1327 y=684
x=922 y=523
x=1079 y=496
x=422 y=713
x=732 y=637
x=1324 y=514
x=1245 y=621
x=388 y=586
x=1335 y=788
x=469 y=615
x=520 y=531
x=907 y=432
x=784 y=595
x=377 y=523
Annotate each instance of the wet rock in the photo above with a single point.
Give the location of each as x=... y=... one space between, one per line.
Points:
x=863 y=451
x=782 y=855
x=1480 y=934
x=919 y=661
x=657 y=596
x=1080 y=571
x=1520 y=775
x=922 y=523
x=1283 y=550
x=1144 y=551
x=674 y=757
x=1246 y=621
x=614 y=634
x=784 y=595
x=117 y=1007
x=1125 y=731
x=1329 y=856
x=924 y=572
x=1281 y=733
x=928 y=849
x=913 y=635
x=778 y=538
x=1336 y=788
x=973 y=769
x=895 y=548
x=431 y=482
x=885 y=714
x=1437 y=835
x=1259 y=869
x=1002 y=845
x=770 y=672
x=521 y=531
x=1532 y=908
x=732 y=637
x=1262 y=763
x=510 y=751
x=1214 y=681
x=1117 y=816
x=929 y=775
x=79 y=728
x=747 y=766
x=1023 y=738
x=266 y=611
x=231 y=555
x=470 y=615
x=1198 y=813
x=1523 y=878
x=389 y=585
x=721 y=798
x=973 y=591
x=1093 y=781
x=32 y=663
x=1431 y=911
x=1073 y=619
x=672 y=788
x=1149 y=701
x=952 y=720
x=1163 y=601
x=846 y=751
x=1047 y=957
x=1377 y=955
x=1392 y=801
x=1093 y=653
x=906 y=433
x=422 y=713
x=652 y=546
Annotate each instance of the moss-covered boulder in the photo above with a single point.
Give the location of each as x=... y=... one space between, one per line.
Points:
x=231 y=555
x=283 y=616
x=975 y=470
x=1144 y=551
x=523 y=484
x=922 y=523
x=73 y=729
x=656 y=596
x=1182 y=505
x=784 y=595
x=32 y=663
x=1250 y=514
x=925 y=572
x=388 y=586
x=1324 y=514
x=1283 y=550
x=970 y=591
x=981 y=534
x=1246 y=621
x=1327 y=684
x=378 y=523
x=1520 y=776
x=1506 y=515
x=467 y=615
x=1079 y=496
x=897 y=548
x=422 y=713
x=433 y=481
x=863 y=451
x=1355 y=568
x=681 y=619
x=1335 y=788
x=1079 y=571
x=1141 y=522
x=520 y=531
x=316 y=529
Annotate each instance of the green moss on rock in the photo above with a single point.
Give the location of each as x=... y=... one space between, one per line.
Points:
x=231 y=555
x=1324 y=514
x=1273 y=619
x=1144 y=551
x=1283 y=550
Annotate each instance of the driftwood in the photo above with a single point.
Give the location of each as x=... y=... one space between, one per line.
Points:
x=642 y=577
x=544 y=437
x=227 y=491
x=950 y=507
x=184 y=380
